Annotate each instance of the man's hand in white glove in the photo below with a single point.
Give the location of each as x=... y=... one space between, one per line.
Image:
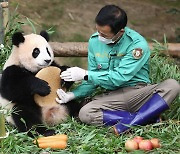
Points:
x=64 y=97
x=73 y=74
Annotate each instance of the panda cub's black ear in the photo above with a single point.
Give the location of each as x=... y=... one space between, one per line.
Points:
x=45 y=35
x=17 y=38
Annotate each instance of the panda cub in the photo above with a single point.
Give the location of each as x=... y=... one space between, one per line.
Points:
x=18 y=85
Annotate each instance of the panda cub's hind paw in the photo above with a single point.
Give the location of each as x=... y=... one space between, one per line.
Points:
x=42 y=131
x=49 y=132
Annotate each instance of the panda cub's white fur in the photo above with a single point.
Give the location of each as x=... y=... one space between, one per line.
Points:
x=22 y=55
x=54 y=115
x=18 y=84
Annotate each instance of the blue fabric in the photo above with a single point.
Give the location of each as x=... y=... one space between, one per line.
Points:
x=111 y=118
x=149 y=111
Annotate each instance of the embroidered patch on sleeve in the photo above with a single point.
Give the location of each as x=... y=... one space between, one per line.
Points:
x=137 y=53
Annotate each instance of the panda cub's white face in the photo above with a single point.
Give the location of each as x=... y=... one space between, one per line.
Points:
x=35 y=53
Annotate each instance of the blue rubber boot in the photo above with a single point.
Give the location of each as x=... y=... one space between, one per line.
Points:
x=150 y=110
x=111 y=118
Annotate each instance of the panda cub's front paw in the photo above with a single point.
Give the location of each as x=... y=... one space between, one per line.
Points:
x=43 y=88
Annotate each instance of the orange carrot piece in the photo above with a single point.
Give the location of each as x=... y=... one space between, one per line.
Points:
x=54 y=145
x=59 y=136
x=51 y=138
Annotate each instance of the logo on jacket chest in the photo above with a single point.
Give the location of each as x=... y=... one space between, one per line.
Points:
x=101 y=54
x=106 y=55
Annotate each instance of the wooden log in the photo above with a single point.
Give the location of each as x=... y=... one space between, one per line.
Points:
x=173 y=49
x=79 y=49
x=70 y=49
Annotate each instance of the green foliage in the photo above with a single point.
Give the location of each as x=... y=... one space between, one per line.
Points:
x=4 y=54
x=163 y=67
x=12 y=26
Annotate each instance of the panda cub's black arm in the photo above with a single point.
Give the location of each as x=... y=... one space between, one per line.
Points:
x=18 y=84
x=63 y=68
x=66 y=84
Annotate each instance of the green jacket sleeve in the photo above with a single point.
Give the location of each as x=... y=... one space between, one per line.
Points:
x=87 y=87
x=127 y=67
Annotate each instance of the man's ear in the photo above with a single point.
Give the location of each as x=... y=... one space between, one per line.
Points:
x=17 y=38
x=45 y=35
x=122 y=31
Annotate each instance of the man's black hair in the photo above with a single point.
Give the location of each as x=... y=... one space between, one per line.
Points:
x=113 y=16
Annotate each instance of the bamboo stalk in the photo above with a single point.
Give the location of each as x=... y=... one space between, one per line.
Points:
x=2 y=124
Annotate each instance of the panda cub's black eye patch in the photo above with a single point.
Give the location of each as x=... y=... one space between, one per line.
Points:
x=48 y=52
x=36 y=52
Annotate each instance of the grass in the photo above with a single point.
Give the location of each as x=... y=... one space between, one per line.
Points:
x=85 y=139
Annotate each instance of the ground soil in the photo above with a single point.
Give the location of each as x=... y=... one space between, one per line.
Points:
x=74 y=19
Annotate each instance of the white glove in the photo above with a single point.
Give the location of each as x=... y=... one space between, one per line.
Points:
x=64 y=97
x=73 y=74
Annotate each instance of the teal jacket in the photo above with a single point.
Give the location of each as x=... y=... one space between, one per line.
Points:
x=114 y=66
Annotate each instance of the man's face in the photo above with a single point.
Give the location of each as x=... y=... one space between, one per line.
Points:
x=105 y=31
